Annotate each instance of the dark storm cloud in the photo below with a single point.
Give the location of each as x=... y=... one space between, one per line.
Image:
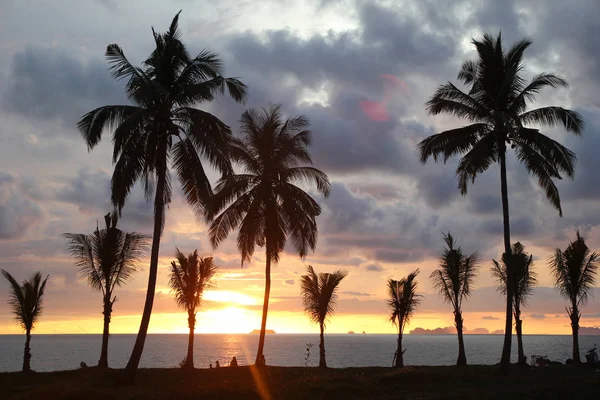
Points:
x=358 y=294
x=18 y=210
x=89 y=190
x=49 y=83
x=374 y=268
x=586 y=184
x=485 y=204
x=521 y=226
x=439 y=189
x=348 y=137
x=489 y=318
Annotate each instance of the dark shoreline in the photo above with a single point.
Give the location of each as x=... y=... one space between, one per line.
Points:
x=472 y=382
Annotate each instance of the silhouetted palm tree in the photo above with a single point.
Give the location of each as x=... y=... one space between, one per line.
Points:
x=575 y=272
x=25 y=302
x=319 y=296
x=161 y=127
x=189 y=277
x=263 y=200
x=107 y=258
x=403 y=300
x=454 y=280
x=495 y=104
x=525 y=281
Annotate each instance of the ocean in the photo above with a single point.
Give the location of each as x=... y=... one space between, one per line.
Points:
x=66 y=352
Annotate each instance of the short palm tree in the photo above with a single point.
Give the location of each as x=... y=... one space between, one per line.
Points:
x=189 y=277
x=263 y=200
x=454 y=280
x=525 y=281
x=107 y=258
x=403 y=300
x=161 y=127
x=25 y=301
x=319 y=296
x=495 y=105
x=575 y=272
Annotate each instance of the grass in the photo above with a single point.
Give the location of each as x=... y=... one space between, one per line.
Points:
x=473 y=382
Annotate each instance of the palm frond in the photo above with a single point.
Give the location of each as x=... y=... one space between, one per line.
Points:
x=451 y=142
x=483 y=154
x=194 y=182
x=554 y=116
x=92 y=124
x=319 y=293
x=403 y=299
x=26 y=300
x=574 y=271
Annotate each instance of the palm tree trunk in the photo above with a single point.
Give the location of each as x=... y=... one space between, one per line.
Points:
x=458 y=322
x=519 y=329
x=506 y=348
x=189 y=359
x=399 y=353
x=575 y=328
x=159 y=210
x=260 y=358
x=27 y=352
x=322 y=362
x=103 y=363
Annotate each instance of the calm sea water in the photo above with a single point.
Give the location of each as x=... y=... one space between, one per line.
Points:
x=63 y=352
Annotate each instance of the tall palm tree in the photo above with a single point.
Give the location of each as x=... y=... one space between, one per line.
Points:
x=189 y=277
x=525 y=280
x=162 y=125
x=575 y=272
x=263 y=200
x=454 y=280
x=403 y=301
x=495 y=105
x=107 y=258
x=25 y=301
x=319 y=296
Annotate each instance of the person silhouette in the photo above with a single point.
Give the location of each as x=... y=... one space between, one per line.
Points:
x=210 y=365
x=217 y=365
x=233 y=362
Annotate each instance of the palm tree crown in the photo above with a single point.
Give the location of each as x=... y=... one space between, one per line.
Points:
x=456 y=274
x=264 y=201
x=190 y=277
x=525 y=278
x=575 y=271
x=25 y=300
x=108 y=257
x=403 y=299
x=162 y=124
x=319 y=293
x=496 y=105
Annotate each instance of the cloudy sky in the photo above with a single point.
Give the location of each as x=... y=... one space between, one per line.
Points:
x=361 y=71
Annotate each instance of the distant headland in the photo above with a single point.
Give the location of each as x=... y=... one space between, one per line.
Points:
x=267 y=331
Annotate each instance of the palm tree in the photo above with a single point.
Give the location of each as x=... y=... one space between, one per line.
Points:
x=525 y=281
x=25 y=301
x=575 y=272
x=189 y=277
x=403 y=301
x=107 y=258
x=453 y=280
x=319 y=296
x=495 y=104
x=162 y=125
x=263 y=200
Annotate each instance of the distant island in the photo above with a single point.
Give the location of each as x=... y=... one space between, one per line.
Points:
x=267 y=331
x=350 y=332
